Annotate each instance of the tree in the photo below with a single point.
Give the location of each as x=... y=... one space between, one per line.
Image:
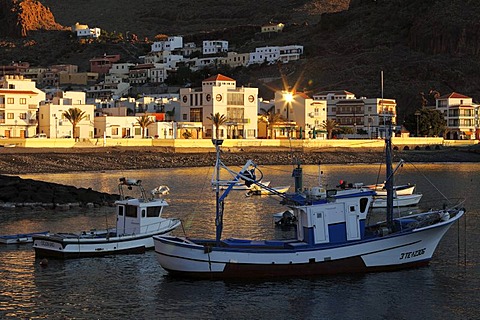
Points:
x=330 y=126
x=431 y=122
x=74 y=115
x=217 y=120
x=144 y=121
x=270 y=118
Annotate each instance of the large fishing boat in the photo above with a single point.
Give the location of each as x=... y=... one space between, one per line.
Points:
x=332 y=237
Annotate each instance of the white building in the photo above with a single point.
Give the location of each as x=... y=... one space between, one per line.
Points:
x=219 y=94
x=331 y=97
x=305 y=117
x=264 y=54
x=214 y=46
x=54 y=124
x=19 y=101
x=83 y=31
x=461 y=115
x=172 y=43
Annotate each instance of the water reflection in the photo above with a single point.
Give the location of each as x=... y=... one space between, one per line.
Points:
x=136 y=286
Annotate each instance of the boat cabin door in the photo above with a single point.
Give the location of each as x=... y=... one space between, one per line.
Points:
x=128 y=220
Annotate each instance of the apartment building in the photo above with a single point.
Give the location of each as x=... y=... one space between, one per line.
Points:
x=19 y=101
x=461 y=115
x=220 y=94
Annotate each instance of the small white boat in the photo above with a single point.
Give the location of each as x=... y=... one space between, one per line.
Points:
x=138 y=220
x=400 y=190
x=256 y=190
x=19 y=238
x=160 y=190
x=398 y=201
x=240 y=186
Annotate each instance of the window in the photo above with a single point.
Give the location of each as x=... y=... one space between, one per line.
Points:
x=23 y=116
x=196 y=114
x=23 y=100
x=131 y=211
x=115 y=131
x=10 y=115
x=10 y=100
x=184 y=116
x=153 y=211
x=120 y=210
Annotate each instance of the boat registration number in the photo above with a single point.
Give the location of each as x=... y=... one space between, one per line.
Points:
x=412 y=254
x=44 y=243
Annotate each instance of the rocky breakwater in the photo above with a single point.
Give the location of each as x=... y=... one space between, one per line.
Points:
x=16 y=192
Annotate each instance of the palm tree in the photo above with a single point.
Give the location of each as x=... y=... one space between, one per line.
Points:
x=144 y=121
x=74 y=115
x=330 y=125
x=217 y=120
x=270 y=118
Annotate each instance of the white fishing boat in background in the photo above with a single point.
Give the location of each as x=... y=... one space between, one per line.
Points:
x=20 y=237
x=138 y=219
x=400 y=190
x=332 y=237
x=398 y=201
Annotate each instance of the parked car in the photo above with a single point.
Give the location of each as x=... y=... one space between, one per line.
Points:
x=3 y=137
x=128 y=137
x=66 y=137
x=40 y=136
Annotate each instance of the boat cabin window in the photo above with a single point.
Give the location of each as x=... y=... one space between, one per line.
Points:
x=363 y=204
x=131 y=211
x=120 y=210
x=153 y=211
x=143 y=213
x=331 y=192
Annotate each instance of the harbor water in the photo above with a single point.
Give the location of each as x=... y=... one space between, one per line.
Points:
x=136 y=287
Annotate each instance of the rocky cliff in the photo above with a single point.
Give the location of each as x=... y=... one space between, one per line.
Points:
x=18 y=17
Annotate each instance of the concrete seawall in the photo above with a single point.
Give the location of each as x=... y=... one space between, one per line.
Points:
x=198 y=145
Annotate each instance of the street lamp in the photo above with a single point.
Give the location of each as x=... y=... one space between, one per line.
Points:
x=288 y=97
x=56 y=130
x=417 y=114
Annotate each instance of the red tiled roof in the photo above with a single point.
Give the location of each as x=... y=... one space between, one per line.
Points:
x=219 y=77
x=17 y=92
x=453 y=95
x=303 y=95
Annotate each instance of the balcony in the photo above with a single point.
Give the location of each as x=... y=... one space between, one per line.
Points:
x=234 y=121
x=32 y=106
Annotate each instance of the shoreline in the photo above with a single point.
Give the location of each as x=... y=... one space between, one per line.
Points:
x=17 y=161
x=28 y=194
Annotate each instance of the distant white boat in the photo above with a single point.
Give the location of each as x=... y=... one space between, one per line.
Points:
x=398 y=201
x=256 y=190
x=19 y=238
x=240 y=186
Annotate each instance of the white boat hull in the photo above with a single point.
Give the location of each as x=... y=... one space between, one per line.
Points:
x=398 y=201
x=399 y=191
x=398 y=251
x=66 y=246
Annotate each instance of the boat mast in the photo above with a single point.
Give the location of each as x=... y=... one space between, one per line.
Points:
x=387 y=121
x=218 y=207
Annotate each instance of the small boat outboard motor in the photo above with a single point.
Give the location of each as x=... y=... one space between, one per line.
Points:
x=250 y=174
